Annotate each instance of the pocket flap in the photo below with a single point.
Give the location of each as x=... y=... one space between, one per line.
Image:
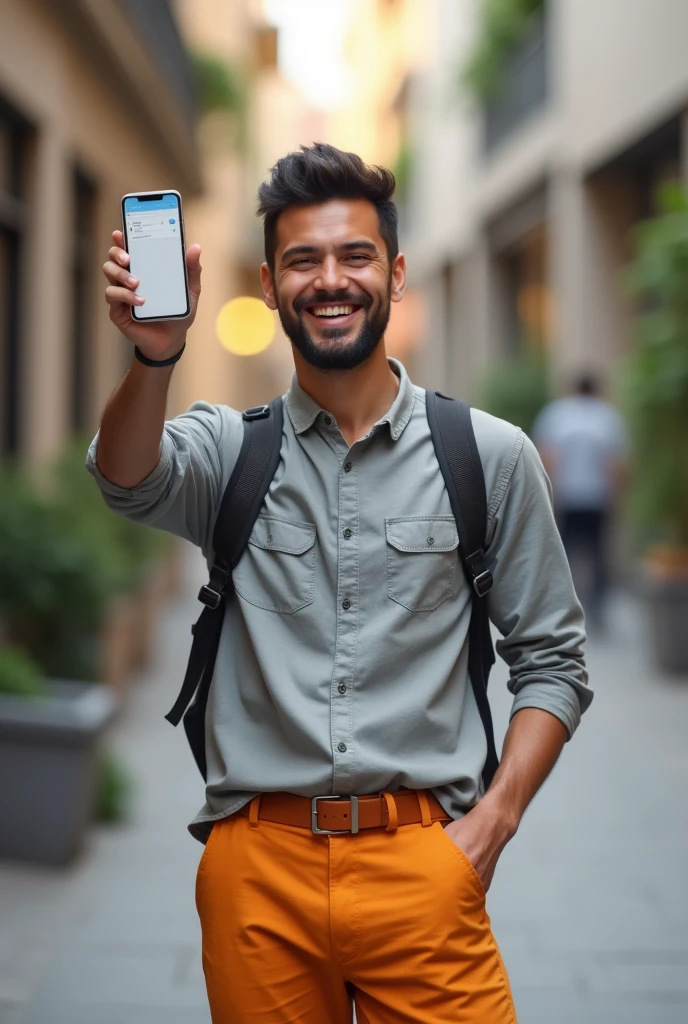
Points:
x=427 y=534
x=272 y=534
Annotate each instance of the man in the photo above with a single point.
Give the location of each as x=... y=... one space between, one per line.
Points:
x=582 y=442
x=342 y=666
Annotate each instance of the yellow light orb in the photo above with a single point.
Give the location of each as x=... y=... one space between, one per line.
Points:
x=245 y=326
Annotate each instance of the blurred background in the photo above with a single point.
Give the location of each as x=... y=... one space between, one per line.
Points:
x=540 y=151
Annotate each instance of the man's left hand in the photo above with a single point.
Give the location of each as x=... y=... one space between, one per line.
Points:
x=482 y=834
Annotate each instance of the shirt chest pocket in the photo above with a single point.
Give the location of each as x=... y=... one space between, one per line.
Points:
x=277 y=570
x=421 y=561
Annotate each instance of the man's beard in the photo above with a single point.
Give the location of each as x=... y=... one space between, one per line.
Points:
x=336 y=357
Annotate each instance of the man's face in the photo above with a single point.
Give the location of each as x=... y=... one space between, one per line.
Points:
x=333 y=282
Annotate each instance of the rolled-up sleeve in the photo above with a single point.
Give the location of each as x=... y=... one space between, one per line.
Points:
x=198 y=451
x=533 y=603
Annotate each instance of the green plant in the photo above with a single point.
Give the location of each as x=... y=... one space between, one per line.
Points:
x=655 y=379
x=221 y=87
x=53 y=589
x=403 y=168
x=502 y=25
x=124 y=548
x=516 y=389
x=20 y=675
x=63 y=555
x=114 y=789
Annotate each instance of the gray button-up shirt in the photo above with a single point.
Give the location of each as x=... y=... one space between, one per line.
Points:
x=342 y=665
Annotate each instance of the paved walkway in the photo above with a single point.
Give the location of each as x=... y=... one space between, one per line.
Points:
x=590 y=902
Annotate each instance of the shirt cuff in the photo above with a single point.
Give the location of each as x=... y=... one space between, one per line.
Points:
x=559 y=697
x=152 y=485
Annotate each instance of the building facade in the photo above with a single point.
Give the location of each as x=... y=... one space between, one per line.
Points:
x=96 y=100
x=521 y=213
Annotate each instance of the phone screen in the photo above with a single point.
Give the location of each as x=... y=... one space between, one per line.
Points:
x=155 y=243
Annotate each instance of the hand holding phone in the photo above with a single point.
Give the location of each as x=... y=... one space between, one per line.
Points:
x=153 y=285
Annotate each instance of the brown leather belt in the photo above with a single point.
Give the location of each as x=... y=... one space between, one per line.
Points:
x=326 y=815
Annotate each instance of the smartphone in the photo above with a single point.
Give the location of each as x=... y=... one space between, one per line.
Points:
x=154 y=238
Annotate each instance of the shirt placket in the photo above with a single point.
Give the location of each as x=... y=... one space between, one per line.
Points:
x=348 y=582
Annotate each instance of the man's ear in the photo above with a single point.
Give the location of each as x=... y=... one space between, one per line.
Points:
x=268 y=284
x=398 y=278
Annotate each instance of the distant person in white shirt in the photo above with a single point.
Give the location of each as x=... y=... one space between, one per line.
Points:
x=582 y=443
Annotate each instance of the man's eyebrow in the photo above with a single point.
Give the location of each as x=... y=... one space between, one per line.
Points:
x=361 y=244
x=298 y=250
x=309 y=250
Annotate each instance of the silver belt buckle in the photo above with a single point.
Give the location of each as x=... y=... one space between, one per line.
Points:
x=334 y=832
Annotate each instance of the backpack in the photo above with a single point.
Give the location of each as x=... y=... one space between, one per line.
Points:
x=457 y=453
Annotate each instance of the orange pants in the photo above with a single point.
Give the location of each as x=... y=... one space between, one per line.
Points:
x=297 y=927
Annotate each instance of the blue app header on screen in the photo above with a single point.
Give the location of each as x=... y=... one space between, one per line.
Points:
x=134 y=205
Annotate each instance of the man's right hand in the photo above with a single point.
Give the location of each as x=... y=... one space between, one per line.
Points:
x=156 y=340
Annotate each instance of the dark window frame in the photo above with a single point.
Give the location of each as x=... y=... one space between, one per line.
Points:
x=14 y=213
x=84 y=213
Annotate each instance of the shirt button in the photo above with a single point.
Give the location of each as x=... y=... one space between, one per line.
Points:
x=328 y=421
x=347 y=467
x=346 y=605
x=431 y=541
x=348 y=533
x=342 y=687
x=341 y=747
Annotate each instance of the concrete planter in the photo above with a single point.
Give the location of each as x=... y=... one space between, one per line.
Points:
x=665 y=585
x=48 y=767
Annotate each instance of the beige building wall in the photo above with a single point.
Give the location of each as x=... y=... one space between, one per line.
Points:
x=618 y=72
x=82 y=106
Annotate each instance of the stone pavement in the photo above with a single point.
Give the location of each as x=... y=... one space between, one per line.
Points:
x=589 y=904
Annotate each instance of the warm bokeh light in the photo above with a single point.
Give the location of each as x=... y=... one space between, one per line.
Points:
x=245 y=326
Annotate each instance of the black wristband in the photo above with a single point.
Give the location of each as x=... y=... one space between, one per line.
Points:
x=158 y=362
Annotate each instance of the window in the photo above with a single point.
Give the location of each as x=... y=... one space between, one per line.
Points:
x=14 y=133
x=82 y=269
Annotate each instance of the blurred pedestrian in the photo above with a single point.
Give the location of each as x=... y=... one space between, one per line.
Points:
x=582 y=442
x=350 y=839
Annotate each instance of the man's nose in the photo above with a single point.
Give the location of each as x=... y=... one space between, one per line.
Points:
x=331 y=276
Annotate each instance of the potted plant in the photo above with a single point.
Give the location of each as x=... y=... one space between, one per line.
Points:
x=656 y=399
x=49 y=759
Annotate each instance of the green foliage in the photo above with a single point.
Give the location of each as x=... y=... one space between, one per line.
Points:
x=53 y=590
x=125 y=548
x=63 y=555
x=221 y=87
x=503 y=23
x=402 y=169
x=516 y=390
x=114 y=789
x=20 y=675
x=655 y=381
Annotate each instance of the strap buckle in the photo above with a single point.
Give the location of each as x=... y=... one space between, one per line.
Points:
x=209 y=597
x=334 y=832
x=482 y=584
x=213 y=591
x=257 y=412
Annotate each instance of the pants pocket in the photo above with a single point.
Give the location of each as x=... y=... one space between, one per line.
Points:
x=467 y=866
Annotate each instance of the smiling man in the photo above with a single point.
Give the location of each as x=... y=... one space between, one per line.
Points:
x=342 y=663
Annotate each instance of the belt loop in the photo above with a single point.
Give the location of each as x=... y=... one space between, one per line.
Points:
x=253 y=812
x=393 y=823
x=424 y=804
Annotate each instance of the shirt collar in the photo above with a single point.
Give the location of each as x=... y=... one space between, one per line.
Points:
x=303 y=410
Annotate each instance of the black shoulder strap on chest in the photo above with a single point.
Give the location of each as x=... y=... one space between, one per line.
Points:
x=241 y=503
x=457 y=453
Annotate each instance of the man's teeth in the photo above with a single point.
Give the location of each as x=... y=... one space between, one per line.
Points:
x=333 y=310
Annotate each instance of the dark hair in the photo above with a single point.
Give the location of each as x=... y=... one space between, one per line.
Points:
x=318 y=174
x=587 y=384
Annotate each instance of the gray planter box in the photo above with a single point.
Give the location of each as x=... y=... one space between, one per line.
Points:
x=667 y=602
x=48 y=768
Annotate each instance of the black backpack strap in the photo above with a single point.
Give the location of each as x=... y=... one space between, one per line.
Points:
x=451 y=428
x=241 y=502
